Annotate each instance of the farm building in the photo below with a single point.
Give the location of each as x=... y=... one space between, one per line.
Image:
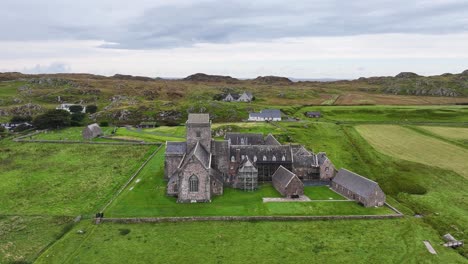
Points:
x=266 y=115
x=313 y=114
x=287 y=183
x=358 y=188
x=92 y=131
x=243 y=97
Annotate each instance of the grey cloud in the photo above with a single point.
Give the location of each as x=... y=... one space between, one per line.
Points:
x=176 y=24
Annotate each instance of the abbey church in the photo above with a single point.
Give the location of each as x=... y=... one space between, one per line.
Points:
x=200 y=167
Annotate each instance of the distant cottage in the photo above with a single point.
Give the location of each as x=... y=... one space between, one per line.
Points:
x=66 y=107
x=92 y=131
x=358 y=188
x=243 y=97
x=266 y=115
x=287 y=183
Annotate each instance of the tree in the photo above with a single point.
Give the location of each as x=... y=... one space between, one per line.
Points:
x=77 y=118
x=20 y=119
x=91 y=109
x=104 y=124
x=76 y=108
x=55 y=118
x=2 y=129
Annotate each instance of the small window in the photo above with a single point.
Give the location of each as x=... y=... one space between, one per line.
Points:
x=283 y=158
x=264 y=158
x=233 y=159
x=274 y=158
x=198 y=134
x=326 y=169
x=255 y=158
x=243 y=156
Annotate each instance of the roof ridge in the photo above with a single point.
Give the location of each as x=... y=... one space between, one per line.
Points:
x=365 y=178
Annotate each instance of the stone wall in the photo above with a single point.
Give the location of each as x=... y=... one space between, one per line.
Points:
x=194 y=167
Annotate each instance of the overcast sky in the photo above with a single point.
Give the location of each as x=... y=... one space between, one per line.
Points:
x=302 y=39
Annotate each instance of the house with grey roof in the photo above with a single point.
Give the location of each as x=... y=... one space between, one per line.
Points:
x=287 y=183
x=266 y=115
x=313 y=114
x=92 y=131
x=243 y=97
x=358 y=188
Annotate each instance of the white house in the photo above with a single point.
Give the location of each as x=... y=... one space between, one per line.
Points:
x=266 y=115
x=66 y=107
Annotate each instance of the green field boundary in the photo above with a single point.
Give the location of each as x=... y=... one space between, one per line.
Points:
x=131 y=178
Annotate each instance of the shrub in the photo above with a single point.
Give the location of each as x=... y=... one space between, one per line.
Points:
x=55 y=118
x=124 y=231
x=77 y=118
x=76 y=108
x=20 y=119
x=104 y=124
x=91 y=109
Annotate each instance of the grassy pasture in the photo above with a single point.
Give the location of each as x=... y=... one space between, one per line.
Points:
x=449 y=132
x=56 y=179
x=406 y=144
x=23 y=237
x=386 y=114
x=357 y=241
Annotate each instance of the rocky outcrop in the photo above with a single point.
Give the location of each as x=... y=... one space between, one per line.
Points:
x=422 y=91
x=272 y=80
x=202 y=77
x=132 y=78
x=465 y=73
x=407 y=75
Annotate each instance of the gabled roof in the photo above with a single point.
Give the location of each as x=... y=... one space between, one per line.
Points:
x=246 y=163
x=198 y=119
x=267 y=113
x=355 y=183
x=271 y=140
x=321 y=157
x=299 y=150
x=199 y=153
x=176 y=147
x=245 y=138
x=283 y=176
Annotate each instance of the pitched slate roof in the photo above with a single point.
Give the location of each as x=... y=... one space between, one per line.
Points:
x=267 y=113
x=271 y=140
x=247 y=165
x=355 y=182
x=283 y=176
x=198 y=118
x=176 y=147
x=313 y=113
x=263 y=150
x=299 y=150
x=245 y=138
x=321 y=157
x=200 y=153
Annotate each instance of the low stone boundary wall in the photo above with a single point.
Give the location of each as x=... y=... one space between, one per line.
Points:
x=240 y=218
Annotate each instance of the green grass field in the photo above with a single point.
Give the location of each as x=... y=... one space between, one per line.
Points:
x=409 y=145
x=357 y=241
x=457 y=133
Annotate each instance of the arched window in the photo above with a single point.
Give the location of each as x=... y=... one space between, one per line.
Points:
x=264 y=158
x=283 y=158
x=233 y=159
x=274 y=158
x=255 y=158
x=193 y=183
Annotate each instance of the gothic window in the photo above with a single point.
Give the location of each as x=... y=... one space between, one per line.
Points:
x=264 y=158
x=233 y=159
x=283 y=158
x=243 y=156
x=326 y=169
x=193 y=183
x=242 y=141
x=274 y=158
x=255 y=158
x=198 y=134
